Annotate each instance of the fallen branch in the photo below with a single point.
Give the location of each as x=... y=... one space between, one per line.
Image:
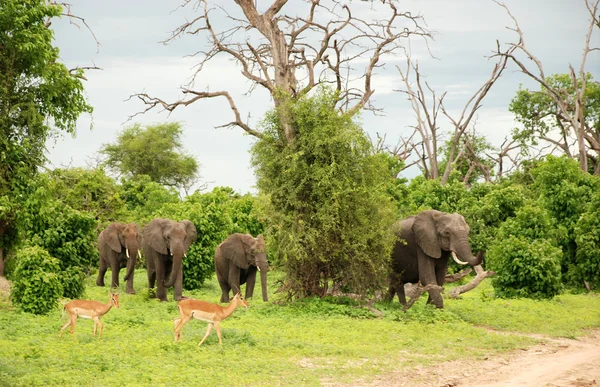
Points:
x=419 y=290
x=457 y=276
x=481 y=275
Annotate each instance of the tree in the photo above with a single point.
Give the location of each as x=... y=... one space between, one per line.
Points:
x=329 y=213
x=39 y=97
x=156 y=151
x=562 y=98
x=324 y=46
x=544 y=121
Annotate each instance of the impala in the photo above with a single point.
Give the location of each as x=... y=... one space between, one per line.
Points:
x=89 y=309
x=211 y=313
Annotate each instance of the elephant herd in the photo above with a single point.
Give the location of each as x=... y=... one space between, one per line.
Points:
x=421 y=254
x=165 y=243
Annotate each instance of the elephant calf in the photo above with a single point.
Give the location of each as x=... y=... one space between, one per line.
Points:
x=237 y=259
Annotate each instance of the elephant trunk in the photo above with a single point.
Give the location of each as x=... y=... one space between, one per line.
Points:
x=131 y=265
x=463 y=250
x=263 y=282
x=132 y=250
x=176 y=271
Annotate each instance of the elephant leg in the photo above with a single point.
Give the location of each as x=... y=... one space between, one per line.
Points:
x=427 y=276
x=151 y=277
x=250 y=282
x=396 y=287
x=101 y=272
x=115 y=267
x=225 y=288
x=129 y=288
x=161 y=291
x=234 y=280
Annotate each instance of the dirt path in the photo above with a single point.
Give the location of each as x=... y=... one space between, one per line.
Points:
x=556 y=362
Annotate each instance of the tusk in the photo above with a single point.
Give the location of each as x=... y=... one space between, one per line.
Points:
x=184 y=255
x=139 y=255
x=258 y=267
x=458 y=260
x=127 y=252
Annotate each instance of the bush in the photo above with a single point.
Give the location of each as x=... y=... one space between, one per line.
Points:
x=586 y=266
x=72 y=282
x=525 y=268
x=36 y=285
x=326 y=198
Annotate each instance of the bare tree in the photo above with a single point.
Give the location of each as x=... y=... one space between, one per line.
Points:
x=569 y=110
x=290 y=55
x=427 y=107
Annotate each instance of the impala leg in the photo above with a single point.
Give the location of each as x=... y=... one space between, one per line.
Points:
x=210 y=325
x=73 y=319
x=179 y=323
x=64 y=327
x=218 y=328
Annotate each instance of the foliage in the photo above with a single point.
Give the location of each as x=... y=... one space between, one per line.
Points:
x=144 y=197
x=37 y=95
x=586 y=266
x=72 y=279
x=564 y=192
x=37 y=286
x=471 y=150
x=325 y=198
x=525 y=268
x=539 y=115
x=156 y=151
x=87 y=190
x=429 y=194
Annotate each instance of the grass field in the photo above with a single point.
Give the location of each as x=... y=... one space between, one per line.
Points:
x=303 y=343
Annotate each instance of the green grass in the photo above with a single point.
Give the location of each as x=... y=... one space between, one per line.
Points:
x=304 y=343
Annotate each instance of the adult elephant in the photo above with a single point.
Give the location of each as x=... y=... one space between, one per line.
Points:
x=421 y=254
x=119 y=245
x=165 y=244
x=237 y=259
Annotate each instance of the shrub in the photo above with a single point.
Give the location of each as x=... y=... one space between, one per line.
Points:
x=586 y=266
x=525 y=268
x=36 y=285
x=72 y=282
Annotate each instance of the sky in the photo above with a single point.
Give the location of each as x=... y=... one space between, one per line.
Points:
x=133 y=59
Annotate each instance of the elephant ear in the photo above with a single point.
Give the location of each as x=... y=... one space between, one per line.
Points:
x=190 y=234
x=111 y=237
x=234 y=248
x=153 y=235
x=426 y=235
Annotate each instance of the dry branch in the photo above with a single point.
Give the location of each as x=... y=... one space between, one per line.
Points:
x=418 y=290
x=481 y=275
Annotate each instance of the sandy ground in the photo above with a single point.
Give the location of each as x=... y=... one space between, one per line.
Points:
x=556 y=362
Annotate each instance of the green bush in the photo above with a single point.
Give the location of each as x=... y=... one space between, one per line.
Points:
x=525 y=268
x=586 y=266
x=36 y=285
x=72 y=282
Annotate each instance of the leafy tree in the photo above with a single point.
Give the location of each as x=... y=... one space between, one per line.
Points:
x=37 y=286
x=325 y=195
x=542 y=117
x=470 y=164
x=39 y=96
x=156 y=151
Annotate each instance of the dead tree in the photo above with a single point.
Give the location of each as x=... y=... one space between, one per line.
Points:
x=427 y=107
x=291 y=55
x=569 y=105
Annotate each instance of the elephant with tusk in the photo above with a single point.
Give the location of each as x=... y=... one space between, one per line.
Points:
x=426 y=242
x=117 y=243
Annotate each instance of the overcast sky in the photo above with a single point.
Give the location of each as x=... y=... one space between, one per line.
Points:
x=133 y=60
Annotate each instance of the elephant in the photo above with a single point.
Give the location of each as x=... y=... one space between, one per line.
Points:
x=165 y=244
x=236 y=260
x=421 y=253
x=119 y=245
